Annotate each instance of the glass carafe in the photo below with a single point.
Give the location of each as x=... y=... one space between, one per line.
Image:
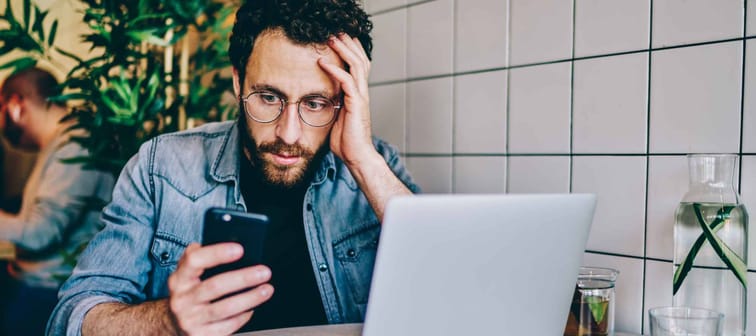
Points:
x=711 y=242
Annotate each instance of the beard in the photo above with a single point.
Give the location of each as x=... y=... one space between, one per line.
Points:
x=278 y=175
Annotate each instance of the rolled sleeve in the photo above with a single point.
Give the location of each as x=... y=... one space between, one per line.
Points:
x=115 y=265
x=391 y=155
x=68 y=316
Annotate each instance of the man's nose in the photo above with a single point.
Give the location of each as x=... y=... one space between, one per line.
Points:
x=289 y=127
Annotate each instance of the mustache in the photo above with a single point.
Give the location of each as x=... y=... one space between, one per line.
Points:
x=278 y=146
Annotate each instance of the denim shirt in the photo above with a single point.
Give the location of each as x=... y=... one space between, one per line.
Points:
x=158 y=207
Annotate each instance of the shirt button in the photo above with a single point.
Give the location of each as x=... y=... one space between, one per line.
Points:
x=351 y=253
x=309 y=206
x=164 y=256
x=322 y=267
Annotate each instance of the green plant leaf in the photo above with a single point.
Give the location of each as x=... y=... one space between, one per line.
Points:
x=728 y=256
x=27 y=14
x=53 y=31
x=70 y=96
x=36 y=27
x=684 y=268
x=20 y=63
x=598 y=307
x=68 y=54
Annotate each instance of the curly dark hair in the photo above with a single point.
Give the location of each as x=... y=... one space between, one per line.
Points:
x=302 y=21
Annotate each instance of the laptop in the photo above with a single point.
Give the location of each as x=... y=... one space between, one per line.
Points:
x=478 y=264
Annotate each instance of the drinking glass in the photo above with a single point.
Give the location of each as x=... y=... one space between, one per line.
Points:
x=592 y=309
x=685 y=321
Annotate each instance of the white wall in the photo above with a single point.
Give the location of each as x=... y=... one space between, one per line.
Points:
x=603 y=96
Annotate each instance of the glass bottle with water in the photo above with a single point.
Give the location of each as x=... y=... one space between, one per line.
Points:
x=711 y=242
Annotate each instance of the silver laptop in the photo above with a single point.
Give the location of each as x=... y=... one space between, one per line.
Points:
x=478 y=264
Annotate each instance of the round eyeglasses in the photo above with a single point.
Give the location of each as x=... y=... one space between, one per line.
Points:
x=267 y=107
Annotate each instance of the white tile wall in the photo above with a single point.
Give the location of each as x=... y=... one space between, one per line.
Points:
x=658 y=287
x=688 y=21
x=429 y=117
x=389 y=46
x=541 y=30
x=603 y=27
x=751 y=19
x=667 y=183
x=610 y=105
x=751 y=322
x=749 y=98
x=620 y=183
x=592 y=131
x=474 y=50
x=372 y=6
x=539 y=109
x=480 y=113
x=695 y=99
x=431 y=27
x=432 y=174
x=628 y=289
x=538 y=174
x=388 y=104
x=480 y=174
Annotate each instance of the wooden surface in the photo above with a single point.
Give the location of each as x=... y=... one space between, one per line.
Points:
x=354 y=329
x=7 y=250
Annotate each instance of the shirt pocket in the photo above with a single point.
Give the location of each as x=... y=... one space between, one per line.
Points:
x=166 y=251
x=355 y=253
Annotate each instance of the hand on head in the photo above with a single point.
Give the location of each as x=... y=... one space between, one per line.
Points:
x=351 y=138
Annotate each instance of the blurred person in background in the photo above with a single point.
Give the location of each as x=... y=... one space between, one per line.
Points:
x=60 y=207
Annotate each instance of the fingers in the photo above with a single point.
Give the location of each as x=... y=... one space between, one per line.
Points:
x=228 y=326
x=233 y=281
x=351 y=51
x=344 y=78
x=196 y=259
x=194 y=304
x=239 y=303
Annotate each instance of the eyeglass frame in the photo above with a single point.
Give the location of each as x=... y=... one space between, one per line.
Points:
x=285 y=103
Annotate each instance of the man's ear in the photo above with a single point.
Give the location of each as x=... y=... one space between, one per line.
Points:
x=15 y=106
x=237 y=88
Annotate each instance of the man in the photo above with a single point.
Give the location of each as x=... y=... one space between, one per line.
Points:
x=58 y=212
x=301 y=153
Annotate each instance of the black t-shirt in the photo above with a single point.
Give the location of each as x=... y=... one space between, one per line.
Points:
x=296 y=299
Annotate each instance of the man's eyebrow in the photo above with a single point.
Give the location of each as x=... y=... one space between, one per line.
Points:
x=279 y=92
x=271 y=88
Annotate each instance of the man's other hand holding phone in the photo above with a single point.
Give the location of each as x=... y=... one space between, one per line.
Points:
x=200 y=307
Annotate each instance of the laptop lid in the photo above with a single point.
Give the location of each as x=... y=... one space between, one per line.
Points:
x=478 y=264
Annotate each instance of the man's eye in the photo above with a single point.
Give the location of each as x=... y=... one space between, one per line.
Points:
x=316 y=104
x=269 y=98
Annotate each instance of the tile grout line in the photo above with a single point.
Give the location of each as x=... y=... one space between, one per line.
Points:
x=572 y=100
x=507 y=120
x=742 y=98
x=527 y=65
x=648 y=162
x=453 y=177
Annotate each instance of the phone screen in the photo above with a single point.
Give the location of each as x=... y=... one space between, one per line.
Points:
x=247 y=229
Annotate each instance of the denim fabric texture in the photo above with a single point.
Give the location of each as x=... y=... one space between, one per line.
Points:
x=158 y=207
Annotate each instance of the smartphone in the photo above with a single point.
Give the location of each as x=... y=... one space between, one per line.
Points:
x=225 y=225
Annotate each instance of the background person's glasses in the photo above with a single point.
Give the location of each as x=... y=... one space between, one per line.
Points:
x=266 y=107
